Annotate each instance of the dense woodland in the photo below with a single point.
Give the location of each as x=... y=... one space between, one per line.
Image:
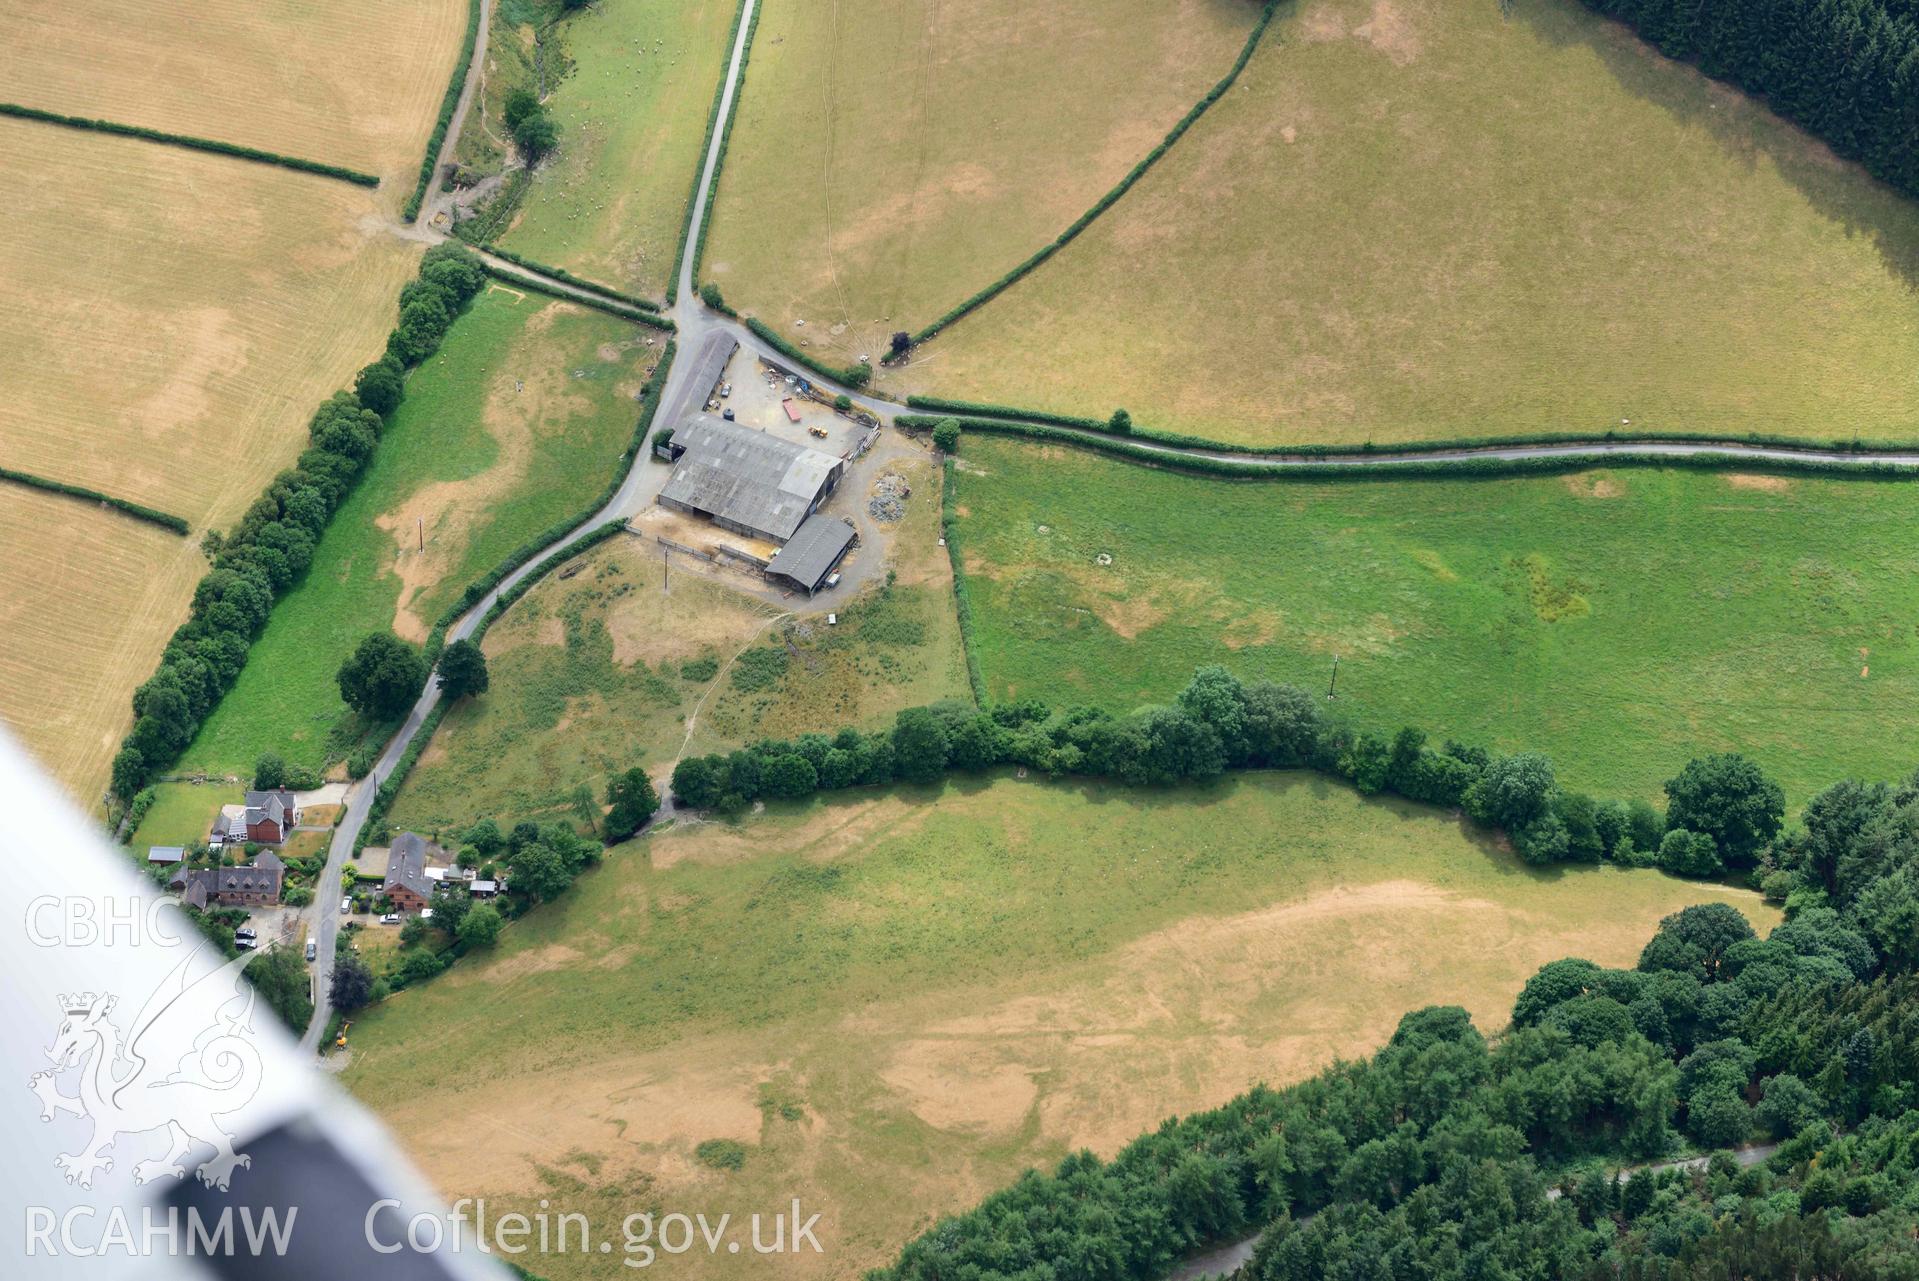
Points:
x=1848 y=70
x=1450 y=1156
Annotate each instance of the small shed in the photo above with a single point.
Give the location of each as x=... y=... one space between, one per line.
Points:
x=165 y=855
x=809 y=557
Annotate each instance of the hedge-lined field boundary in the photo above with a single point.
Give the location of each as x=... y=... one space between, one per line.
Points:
x=706 y=142
x=267 y=552
x=651 y=319
x=479 y=587
x=192 y=143
x=1411 y=469
x=1112 y=197
x=449 y=103
x=726 y=140
x=390 y=786
x=962 y=599
x=855 y=376
x=980 y=409
x=139 y=511
x=564 y=276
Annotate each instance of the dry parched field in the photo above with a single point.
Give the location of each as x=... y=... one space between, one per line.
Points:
x=66 y=672
x=1416 y=219
x=890 y=159
x=173 y=319
x=348 y=83
x=898 y=1001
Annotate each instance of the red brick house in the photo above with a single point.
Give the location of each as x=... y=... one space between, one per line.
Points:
x=265 y=818
x=407 y=883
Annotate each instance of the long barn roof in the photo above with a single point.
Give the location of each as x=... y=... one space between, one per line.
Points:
x=747 y=477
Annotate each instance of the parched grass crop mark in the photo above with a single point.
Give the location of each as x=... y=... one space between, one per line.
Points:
x=693 y=717
x=1552 y=602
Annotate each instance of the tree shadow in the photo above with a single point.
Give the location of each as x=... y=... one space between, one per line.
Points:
x=1743 y=126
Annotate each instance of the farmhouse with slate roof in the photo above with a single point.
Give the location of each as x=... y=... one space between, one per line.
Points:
x=266 y=818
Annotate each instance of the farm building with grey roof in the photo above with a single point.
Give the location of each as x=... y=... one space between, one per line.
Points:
x=747 y=481
x=815 y=548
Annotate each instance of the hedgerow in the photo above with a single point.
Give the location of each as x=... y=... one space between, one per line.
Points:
x=854 y=375
x=449 y=103
x=706 y=142
x=1125 y=185
x=1852 y=445
x=567 y=277
x=962 y=599
x=726 y=139
x=139 y=511
x=1411 y=469
x=476 y=591
x=192 y=143
x=389 y=788
x=267 y=552
x=650 y=319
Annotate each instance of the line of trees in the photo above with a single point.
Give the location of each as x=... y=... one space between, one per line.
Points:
x=1722 y=811
x=1434 y=1159
x=270 y=547
x=1847 y=70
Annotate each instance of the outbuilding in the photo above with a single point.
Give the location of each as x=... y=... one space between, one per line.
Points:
x=811 y=555
x=748 y=481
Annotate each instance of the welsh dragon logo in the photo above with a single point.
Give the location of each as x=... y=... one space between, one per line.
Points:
x=187 y=1059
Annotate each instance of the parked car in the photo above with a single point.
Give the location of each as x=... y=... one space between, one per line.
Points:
x=245 y=945
x=313 y=950
x=346 y=904
x=833 y=579
x=245 y=932
x=726 y=389
x=728 y=415
x=391 y=918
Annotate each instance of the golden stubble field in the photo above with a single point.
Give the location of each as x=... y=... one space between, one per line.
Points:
x=895 y=1001
x=890 y=159
x=1419 y=219
x=353 y=84
x=173 y=320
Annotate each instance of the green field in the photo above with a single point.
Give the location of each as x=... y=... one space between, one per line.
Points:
x=517 y=423
x=891 y=158
x=632 y=114
x=1421 y=219
x=1620 y=621
x=898 y=1000
x=601 y=671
